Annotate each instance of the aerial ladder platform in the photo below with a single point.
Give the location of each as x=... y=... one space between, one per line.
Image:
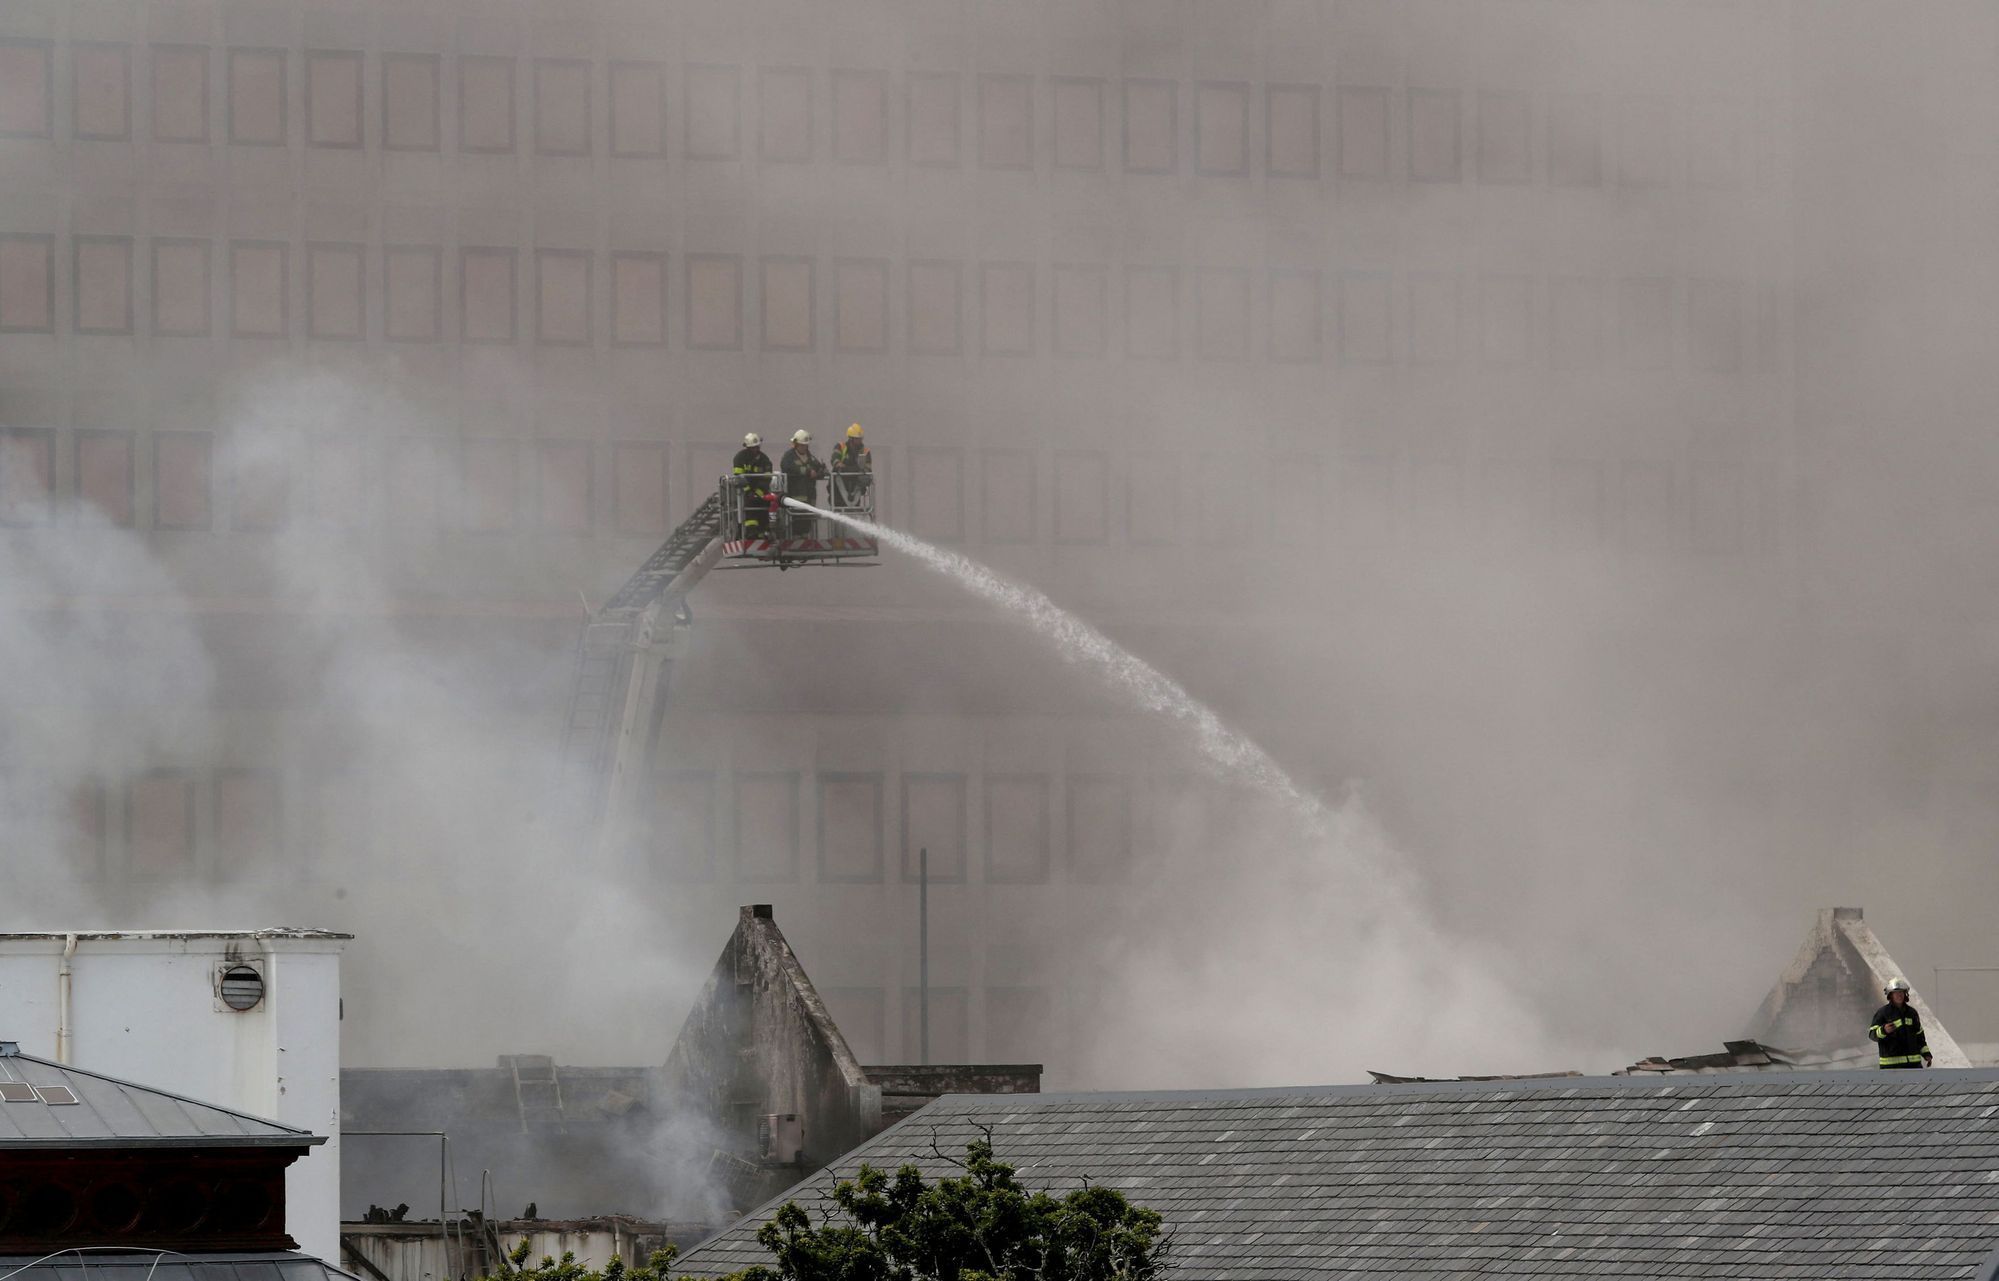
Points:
x=624 y=658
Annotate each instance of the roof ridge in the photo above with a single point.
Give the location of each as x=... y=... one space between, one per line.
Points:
x=182 y=1099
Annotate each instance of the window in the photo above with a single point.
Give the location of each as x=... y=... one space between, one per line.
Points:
x=333 y=98
x=27 y=284
x=249 y=826
x=1433 y=317
x=1082 y=497
x=338 y=473
x=1645 y=141
x=415 y=482
x=1016 y=828
x=1151 y=129
x=1363 y=133
x=104 y=473
x=1152 y=312
x=159 y=818
x=933 y=118
x=100 y=90
x=1006 y=122
x=486 y=295
x=1647 y=490
x=785 y=115
x=1296 y=334
x=486 y=104
x=415 y=292
x=562 y=297
x=488 y=485
x=933 y=819
x=27 y=88
x=103 y=284
x=937 y=492
x=1099 y=827
x=1714 y=326
x=1574 y=306
x=260 y=480
x=562 y=486
x=714 y=302
x=335 y=292
x=257 y=97
x=1575 y=140
x=683 y=824
x=182 y=476
x=257 y=295
x=950 y=1024
x=1152 y=498
x=1079 y=123
x=860 y=304
x=180 y=288
x=1221 y=129
x=638 y=488
x=1644 y=323
x=638 y=299
x=1017 y=1025
x=1365 y=332
x=638 y=109
x=1006 y=308
x=1506 y=311
x=1716 y=128
x=1505 y=132
x=860 y=117
x=787 y=304
x=713 y=109
x=561 y=107
x=1291 y=131
x=767 y=826
x=1007 y=482
x=1082 y=309
x=1717 y=508
x=27 y=475
x=180 y=93
x=1433 y=135
x=1221 y=313
x=934 y=308
x=409 y=102
x=850 y=828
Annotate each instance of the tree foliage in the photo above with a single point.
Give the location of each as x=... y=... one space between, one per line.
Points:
x=979 y=1226
x=657 y=1267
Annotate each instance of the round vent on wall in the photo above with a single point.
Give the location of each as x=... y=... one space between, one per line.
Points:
x=240 y=987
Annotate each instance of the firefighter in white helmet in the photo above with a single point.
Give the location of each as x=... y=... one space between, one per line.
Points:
x=802 y=474
x=1899 y=1029
x=752 y=466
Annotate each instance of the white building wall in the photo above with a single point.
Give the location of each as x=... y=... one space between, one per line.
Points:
x=144 y=1007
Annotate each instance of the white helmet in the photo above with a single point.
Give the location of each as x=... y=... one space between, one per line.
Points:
x=1897 y=985
x=751 y=440
x=801 y=437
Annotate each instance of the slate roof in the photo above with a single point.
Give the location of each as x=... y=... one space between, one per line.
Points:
x=1819 y=1175
x=169 y=1265
x=110 y=1113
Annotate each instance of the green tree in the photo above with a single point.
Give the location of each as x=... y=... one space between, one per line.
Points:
x=979 y=1226
x=655 y=1268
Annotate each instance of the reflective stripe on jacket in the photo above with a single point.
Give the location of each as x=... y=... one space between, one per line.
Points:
x=1899 y=1030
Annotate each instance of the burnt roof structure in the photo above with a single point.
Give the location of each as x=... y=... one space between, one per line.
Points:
x=1822 y=1175
x=1826 y=996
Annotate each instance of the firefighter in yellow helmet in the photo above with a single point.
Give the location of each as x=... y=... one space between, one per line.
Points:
x=853 y=468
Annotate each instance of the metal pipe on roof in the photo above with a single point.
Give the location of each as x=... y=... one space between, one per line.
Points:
x=64 y=973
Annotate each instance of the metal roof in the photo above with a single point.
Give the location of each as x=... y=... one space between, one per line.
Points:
x=1819 y=1175
x=89 y=936
x=110 y=1113
x=101 y=1264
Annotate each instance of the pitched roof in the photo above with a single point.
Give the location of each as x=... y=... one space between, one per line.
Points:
x=92 y=1264
x=110 y=1113
x=1822 y=1175
x=1824 y=999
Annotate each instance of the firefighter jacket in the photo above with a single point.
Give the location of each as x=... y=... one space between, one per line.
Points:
x=852 y=456
x=1899 y=1029
x=751 y=461
x=802 y=474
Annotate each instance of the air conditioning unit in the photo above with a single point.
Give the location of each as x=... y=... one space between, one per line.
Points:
x=781 y=1136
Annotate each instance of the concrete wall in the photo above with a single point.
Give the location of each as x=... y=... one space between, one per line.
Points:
x=428 y=1252
x=144 y=1007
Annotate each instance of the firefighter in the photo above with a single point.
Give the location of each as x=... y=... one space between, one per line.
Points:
x=1899 y=1029
x=753 y=465
x=853 y=468
x=802 y=474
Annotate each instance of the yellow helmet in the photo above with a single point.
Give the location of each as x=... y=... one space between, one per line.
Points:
x=854 y=432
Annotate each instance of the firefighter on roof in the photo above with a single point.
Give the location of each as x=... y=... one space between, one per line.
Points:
x=753 y=465
x=1899 y=1029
